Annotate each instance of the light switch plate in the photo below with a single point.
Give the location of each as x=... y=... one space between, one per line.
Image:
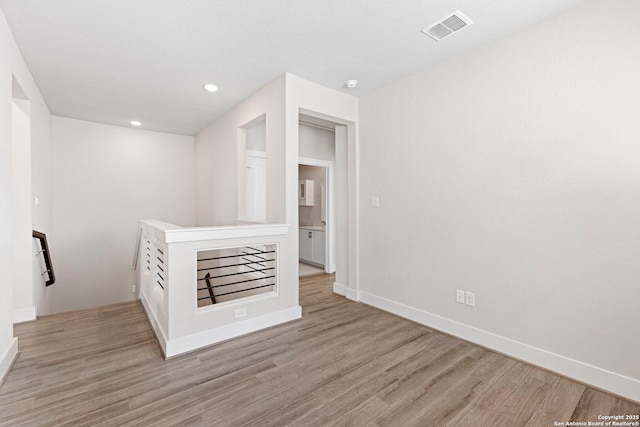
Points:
x=459 y=296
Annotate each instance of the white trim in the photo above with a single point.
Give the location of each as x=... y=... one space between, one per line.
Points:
x=169 y=233
x=155 y=323
x=345 y=291
x=188 y=343
x=218 y=233
x=26 y=314
x=329 y=235
x=353 y=294
x=618 y=384
x=8 y=358
x=340 y=289
x=256 y=154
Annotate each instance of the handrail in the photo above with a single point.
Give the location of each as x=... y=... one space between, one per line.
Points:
x=47 y=257
x=135 y=253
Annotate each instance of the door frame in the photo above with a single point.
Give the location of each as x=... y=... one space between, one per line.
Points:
x=329 y=230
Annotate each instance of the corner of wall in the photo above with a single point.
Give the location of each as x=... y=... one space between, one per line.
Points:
x=7 y=359
x=25 y=314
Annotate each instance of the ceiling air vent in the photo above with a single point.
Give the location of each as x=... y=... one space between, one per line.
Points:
x=447 y=26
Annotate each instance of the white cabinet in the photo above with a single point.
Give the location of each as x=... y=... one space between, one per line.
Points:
x=311 y=246
x=305 y=238
x=317 y=255
x=305 y=192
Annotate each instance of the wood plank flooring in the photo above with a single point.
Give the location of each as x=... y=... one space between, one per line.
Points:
x=342 y=364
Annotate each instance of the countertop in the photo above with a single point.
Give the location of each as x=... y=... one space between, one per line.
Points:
x=312 y=227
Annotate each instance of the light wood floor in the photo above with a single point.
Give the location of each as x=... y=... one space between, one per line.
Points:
x=343 y=364
x=305 y=269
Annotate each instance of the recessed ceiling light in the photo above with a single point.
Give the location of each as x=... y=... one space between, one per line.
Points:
x=351 y=83
x=135 y=123
x=210 y=87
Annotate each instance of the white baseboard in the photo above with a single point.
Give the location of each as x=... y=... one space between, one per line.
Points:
x=353 y=295
x=340 y=289
x=7 y=358
x=188 y=343
x=26 y=314
x=343 y=290
x=612 y=382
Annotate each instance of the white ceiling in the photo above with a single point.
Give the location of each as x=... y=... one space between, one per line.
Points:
x=111 y=61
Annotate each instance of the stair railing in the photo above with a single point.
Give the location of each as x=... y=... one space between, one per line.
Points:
x=44 y=250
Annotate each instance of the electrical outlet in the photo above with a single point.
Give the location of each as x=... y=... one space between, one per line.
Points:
x=459 y=296
x=470 y=299
x=241 y=312
x=133 y=289
x=374 y=202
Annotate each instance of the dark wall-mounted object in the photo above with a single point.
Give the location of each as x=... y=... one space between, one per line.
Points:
x=47 y=257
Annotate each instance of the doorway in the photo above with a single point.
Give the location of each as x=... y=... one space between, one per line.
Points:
x=315 y=217
x=316 y=181
x=340 y=151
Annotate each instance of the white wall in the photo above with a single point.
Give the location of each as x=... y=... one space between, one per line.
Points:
x=105 y=179
x=41 y=188
x=513 y=172
x=23 y=304
x=8 y=345
x=218 y=165
x=312 y=99
x=316 y=143
x=31 y=166
x=217 y=158
x=256 y=137
x=13 y=67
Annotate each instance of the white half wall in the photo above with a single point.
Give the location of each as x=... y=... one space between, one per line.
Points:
x=512 y=172
x=105 y=179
